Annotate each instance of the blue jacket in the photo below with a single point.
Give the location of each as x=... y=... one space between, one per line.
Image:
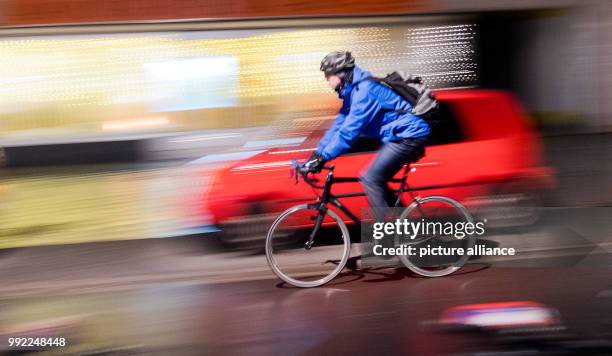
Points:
x=368 y=110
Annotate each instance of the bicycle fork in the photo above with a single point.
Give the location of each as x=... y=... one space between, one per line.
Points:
x=322 y=209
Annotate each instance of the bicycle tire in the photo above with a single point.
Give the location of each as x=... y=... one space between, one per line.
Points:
x=272 y=263
x=469 y=241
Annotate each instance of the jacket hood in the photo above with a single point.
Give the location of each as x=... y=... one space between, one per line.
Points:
x=359 y=75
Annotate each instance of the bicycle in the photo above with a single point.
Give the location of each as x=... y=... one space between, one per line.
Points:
x=279 y=246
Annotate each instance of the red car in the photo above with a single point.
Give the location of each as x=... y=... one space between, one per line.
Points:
x=490 y=159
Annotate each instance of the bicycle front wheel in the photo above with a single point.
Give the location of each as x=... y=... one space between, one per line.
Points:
x=442 y=244
x=294 y=263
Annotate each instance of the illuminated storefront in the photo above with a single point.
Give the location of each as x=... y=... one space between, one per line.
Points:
x=192 y=80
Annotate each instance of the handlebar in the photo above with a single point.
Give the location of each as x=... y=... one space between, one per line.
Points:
x=299 y=171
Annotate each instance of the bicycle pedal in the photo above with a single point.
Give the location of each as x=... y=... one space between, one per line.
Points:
x=354 y=263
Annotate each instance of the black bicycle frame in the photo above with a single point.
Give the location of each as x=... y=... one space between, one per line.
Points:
x=327 y=197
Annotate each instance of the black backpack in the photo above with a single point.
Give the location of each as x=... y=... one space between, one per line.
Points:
x=413 y=90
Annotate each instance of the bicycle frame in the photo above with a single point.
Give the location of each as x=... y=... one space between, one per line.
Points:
x=327 y=197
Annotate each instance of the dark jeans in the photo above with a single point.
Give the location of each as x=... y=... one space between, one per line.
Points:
x=389 y=160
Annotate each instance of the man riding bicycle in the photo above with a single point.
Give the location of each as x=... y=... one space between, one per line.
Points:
x=373 y=110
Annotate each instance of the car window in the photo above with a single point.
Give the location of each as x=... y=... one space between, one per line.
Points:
x=448 y=129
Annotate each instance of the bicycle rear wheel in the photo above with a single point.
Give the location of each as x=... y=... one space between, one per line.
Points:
x=436 y=213
x=293 y=262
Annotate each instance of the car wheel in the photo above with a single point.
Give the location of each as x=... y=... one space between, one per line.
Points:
x=247 y=232
x=507 y=207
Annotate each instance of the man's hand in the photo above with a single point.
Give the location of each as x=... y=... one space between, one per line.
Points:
x=314 y=164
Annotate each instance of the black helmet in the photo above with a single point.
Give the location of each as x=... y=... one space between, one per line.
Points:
x=337 y=61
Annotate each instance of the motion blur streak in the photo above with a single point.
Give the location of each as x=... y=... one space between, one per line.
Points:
x=142 y=164
x=134 y=123
x=232 y=78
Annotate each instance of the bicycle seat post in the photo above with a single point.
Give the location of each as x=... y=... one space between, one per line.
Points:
x=406 y=171
x=403 y=185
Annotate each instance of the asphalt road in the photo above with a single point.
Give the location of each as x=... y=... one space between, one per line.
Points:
x=381 y=311
x=185 y=296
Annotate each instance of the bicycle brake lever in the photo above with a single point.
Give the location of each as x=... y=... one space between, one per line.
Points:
x=294 y=171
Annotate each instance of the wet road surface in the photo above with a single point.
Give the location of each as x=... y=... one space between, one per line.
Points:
x=372 y=311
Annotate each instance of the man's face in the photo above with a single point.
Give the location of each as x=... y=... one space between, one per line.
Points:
x=333 y=80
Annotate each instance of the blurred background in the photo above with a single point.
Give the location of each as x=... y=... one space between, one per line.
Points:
x=116 y=116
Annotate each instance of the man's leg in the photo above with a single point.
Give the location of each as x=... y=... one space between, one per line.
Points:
x=390 y=158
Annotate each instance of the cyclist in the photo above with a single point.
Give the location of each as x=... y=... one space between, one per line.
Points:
x=369 y=109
